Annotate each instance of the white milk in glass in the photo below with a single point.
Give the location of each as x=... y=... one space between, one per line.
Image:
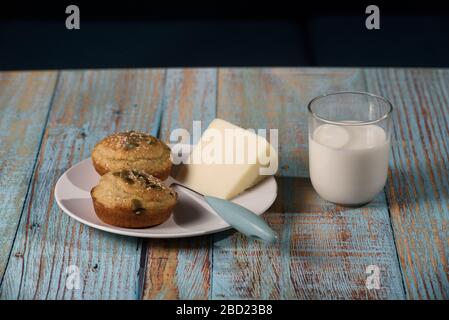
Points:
x=348 y=164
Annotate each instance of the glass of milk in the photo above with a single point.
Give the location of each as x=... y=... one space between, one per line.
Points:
x=349 y=142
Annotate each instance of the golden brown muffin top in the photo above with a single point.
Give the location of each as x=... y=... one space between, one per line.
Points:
x=133 y=189
x=133 y=143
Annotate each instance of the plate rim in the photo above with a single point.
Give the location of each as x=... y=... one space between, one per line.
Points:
x=131 y=232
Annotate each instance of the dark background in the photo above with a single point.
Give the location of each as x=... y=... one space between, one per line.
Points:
x=223 y=33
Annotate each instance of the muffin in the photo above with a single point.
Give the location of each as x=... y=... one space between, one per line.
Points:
x=132 y=151
x=132 y=199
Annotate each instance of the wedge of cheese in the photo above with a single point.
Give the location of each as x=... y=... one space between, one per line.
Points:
x=228 y=160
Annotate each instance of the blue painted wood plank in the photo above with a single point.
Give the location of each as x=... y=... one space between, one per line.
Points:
x=418 y=181
x=87 y=106
x=25 y=99
x=324 y=249
x=181 y=268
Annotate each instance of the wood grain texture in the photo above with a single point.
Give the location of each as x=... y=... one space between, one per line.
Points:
x=324 y=249
x=418 y=181
x=181 y=268
x=25 y=99
x=87 y=106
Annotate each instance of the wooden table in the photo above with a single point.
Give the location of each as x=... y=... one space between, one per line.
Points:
x=51 y=120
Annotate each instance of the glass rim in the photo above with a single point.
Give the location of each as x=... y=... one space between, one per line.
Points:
x=341 y=123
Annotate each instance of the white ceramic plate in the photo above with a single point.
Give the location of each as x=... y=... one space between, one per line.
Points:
x=192 y=216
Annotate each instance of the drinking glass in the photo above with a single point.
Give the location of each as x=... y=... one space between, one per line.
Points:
x=349 y=142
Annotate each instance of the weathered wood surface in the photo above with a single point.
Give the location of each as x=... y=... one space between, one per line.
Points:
x=418 y=181
x=25 y=99
x=324 y=249
x=87 y=106
x=181 y=268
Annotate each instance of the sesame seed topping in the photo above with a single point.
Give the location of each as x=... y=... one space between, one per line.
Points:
x=129 y=140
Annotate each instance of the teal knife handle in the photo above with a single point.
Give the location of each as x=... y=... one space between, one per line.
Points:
x=240 y=218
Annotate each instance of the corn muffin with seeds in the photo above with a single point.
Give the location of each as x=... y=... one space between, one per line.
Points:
x=132 y=199
x=132 y=150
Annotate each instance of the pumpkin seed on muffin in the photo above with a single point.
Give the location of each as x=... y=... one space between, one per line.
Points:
x=132 y=199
